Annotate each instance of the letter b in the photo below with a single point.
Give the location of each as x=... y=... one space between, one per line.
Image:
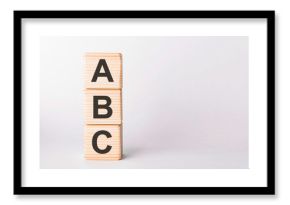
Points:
x=106 y=106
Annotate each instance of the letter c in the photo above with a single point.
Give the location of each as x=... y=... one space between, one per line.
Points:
x=95 y=142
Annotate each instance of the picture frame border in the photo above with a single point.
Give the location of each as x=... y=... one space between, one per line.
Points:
x=17 y=94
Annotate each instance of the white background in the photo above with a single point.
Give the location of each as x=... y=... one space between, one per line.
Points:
x=185 y=101
x=283 y=101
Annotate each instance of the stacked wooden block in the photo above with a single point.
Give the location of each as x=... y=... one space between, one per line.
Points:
x=103 y=106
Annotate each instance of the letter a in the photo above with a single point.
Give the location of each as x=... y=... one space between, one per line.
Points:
x=107 y=73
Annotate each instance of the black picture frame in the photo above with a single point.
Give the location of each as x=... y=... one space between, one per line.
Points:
x=269 y=189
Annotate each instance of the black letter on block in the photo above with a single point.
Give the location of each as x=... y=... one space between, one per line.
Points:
x=95 y=142
x=102 y=63
x=106 y=106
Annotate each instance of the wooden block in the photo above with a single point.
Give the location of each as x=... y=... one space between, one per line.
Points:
x=96 y=107
x=109 y=68
x=103 y=106
x=103 y=142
